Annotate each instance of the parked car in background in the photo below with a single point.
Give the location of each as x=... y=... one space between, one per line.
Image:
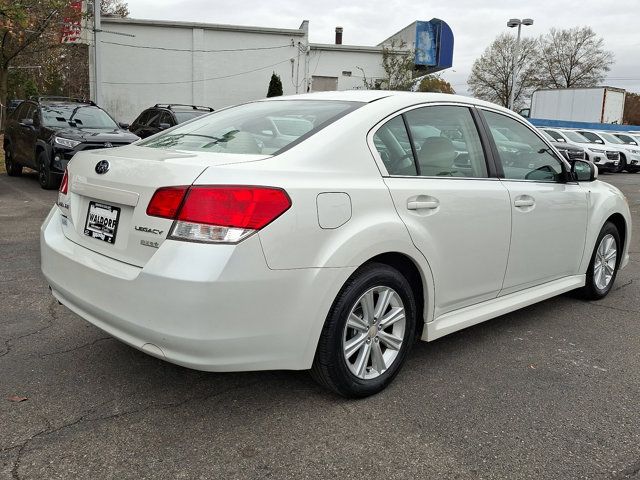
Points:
x=627 y=138
x=629 y=156
x=568 y=151
x=46 y=132
x=163 y=116
x=606 y=161
x=12 y=105
x=218 y=247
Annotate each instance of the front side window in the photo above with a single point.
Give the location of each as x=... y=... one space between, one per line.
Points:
x=254 y=128
x=591 y=136
x=611 y=139
x=576 y=137
x=626 y=139
x=555 y=136
x=528 y=158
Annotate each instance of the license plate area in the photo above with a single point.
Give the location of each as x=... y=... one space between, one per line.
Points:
x=102 y=222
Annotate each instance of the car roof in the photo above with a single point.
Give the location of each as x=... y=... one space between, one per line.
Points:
x=369 y=96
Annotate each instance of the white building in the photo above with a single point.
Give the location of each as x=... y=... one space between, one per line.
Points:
x=145 y=62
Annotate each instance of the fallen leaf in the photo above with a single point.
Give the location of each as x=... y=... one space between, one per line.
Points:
x=17 y=398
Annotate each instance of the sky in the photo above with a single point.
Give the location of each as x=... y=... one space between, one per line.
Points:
x=475 y=23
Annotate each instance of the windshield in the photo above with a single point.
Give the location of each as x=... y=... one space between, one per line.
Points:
x=182 y=117
x=85 y=116
x=254 y=128
x=576 y=137
x=610 y=138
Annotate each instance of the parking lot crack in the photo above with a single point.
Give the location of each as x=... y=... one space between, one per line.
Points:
x=87 y=418
x=10 y=342
x=74 y=349
x=613 y=308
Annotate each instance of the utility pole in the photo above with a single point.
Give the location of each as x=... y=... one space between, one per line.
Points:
x=97 y=61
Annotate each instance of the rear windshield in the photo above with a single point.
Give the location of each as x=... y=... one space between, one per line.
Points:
x=254 y=128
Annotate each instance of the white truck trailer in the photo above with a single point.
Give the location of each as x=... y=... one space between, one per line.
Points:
x=593 y=104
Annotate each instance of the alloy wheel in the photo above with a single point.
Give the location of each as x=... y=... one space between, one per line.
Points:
x=604 y=265
x=374 y=332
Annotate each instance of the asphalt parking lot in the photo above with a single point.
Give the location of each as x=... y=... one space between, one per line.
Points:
x=549 y=392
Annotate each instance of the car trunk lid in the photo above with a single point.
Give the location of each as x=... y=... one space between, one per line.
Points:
x=106 y=212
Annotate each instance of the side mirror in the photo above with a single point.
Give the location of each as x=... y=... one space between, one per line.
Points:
x=27 y=122
x=560 y=140
x=123 y=125
x=584 y=171
x=164 y=126
x=599 y=141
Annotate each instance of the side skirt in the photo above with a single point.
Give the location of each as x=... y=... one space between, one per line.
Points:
x=465 y=317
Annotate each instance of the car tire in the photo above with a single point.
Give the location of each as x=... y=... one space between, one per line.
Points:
x=374 y=364
x=47 y=179
x=603 y=268
x=622 y=164
x=13 y=169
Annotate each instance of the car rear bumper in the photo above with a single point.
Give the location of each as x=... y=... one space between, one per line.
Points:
x=207 y=307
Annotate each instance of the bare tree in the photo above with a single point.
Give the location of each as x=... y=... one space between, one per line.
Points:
x=574 y=57
x=115 y=8
x=490 y=77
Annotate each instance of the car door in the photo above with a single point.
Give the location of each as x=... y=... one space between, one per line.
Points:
x=19 y=133
x=456 y=214
x=549 y=214
x=30 y=137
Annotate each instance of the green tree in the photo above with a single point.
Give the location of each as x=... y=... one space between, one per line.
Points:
x=275 y=86
x=25 y=27
x=435 y=83
x=116 y=8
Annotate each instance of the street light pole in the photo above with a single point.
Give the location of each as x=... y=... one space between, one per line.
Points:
x=516 y=22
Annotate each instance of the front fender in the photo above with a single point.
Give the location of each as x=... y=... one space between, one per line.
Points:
x=604 y=200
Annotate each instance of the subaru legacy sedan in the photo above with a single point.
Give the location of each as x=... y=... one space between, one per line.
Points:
x=374 y=219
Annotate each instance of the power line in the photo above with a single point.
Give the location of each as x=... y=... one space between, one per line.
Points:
x=167 y=49
x=201 y=80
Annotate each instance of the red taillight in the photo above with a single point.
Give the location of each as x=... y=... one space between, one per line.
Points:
x=64 y=184
x=233 y=206
x=166 y=201
x=218 y=214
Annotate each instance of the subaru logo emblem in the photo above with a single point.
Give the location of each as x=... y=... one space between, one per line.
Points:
x=108 y=145
x=102 y=167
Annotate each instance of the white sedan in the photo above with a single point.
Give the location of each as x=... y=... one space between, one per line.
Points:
x=365 y=221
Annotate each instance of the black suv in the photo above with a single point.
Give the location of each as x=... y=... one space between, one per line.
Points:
x=44 y=134
x=160 y=117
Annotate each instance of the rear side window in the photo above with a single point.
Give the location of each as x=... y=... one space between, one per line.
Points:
x=392 y=142
x=255 y=128
x=447 y=142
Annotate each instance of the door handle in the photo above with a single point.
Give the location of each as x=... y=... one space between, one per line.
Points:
x=420 y=205
x=524 y=201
